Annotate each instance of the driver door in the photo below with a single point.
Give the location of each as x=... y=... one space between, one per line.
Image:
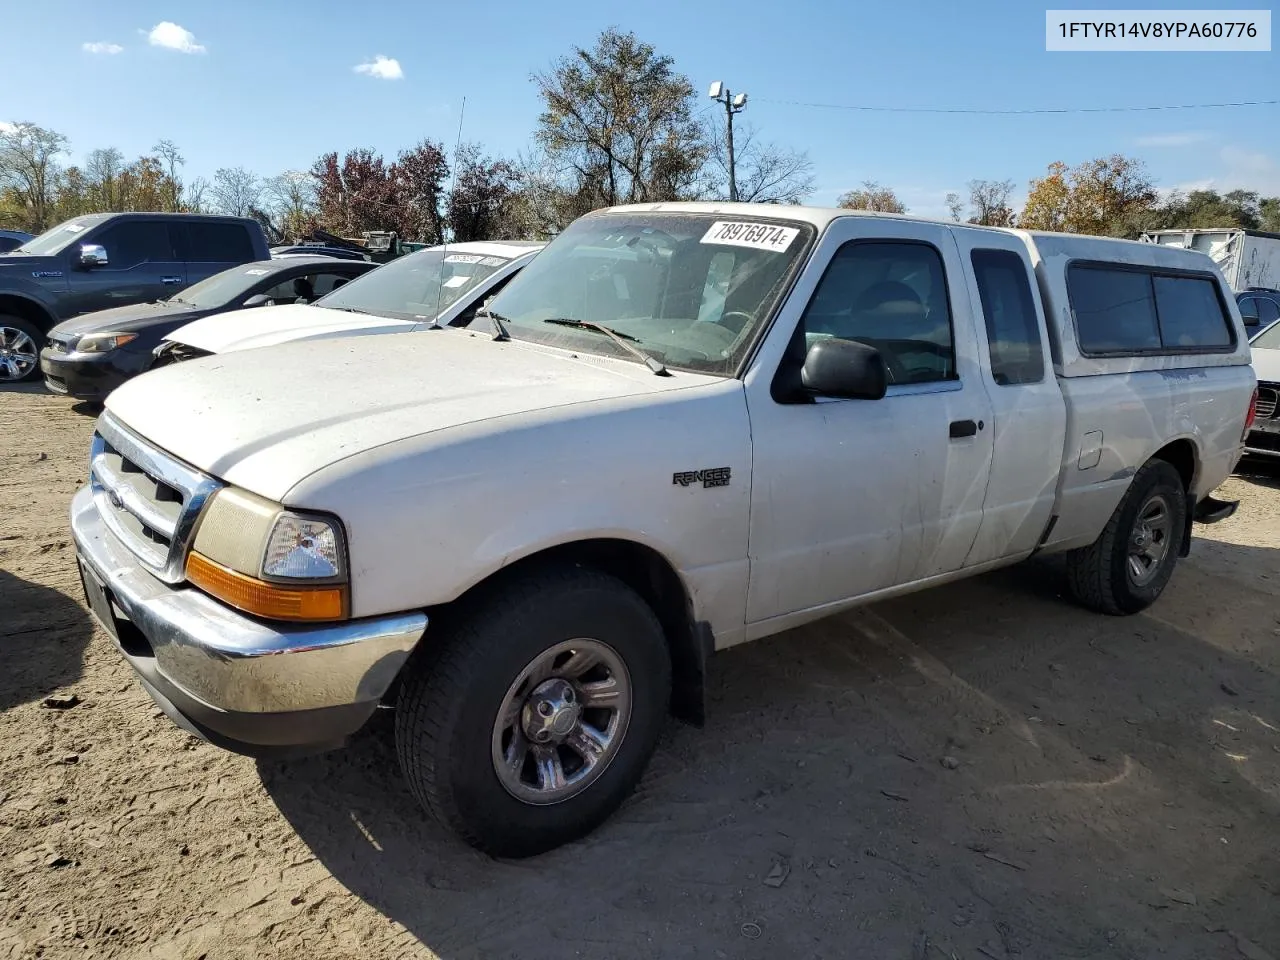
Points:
x=850 y=497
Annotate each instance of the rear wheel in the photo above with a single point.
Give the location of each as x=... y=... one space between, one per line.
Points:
x=1126 y=569
x=20 y=342
x=533 y=717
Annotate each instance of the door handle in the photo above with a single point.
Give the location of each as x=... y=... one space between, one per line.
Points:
x=963 y=428
x=170 y=279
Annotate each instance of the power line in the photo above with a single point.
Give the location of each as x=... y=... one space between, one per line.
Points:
x=1037 y=110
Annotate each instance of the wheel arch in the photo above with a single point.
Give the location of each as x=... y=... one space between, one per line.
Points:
x=654 y=578
x=1183 y=455
x=28 y=309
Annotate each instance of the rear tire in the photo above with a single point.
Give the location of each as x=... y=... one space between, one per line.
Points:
x=1126 y=569
x=473 y=707
x=20 y=343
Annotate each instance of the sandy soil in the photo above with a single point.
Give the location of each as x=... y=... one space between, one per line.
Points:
x=979 y=771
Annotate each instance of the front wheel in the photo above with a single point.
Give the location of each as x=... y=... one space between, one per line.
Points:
x=20 y=342
x=1126 y=569
x=530 y=720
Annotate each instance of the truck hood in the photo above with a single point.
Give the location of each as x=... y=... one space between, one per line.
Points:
x=267 y=326
x=1266 y=364
x=14 y=264
x=266 y=419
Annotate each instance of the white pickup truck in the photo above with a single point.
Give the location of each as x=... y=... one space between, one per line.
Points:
x=681 y=427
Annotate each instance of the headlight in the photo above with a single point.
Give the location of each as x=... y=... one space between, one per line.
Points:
x=103 y=342
x=271 y=562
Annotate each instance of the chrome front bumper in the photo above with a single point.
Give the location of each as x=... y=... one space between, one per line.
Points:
x=243 y=683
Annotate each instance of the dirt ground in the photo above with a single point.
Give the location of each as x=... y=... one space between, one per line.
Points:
x=983 y=770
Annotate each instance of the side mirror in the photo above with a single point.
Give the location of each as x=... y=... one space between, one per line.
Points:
x=258 y=300
x=93 y=255
x=845 y=369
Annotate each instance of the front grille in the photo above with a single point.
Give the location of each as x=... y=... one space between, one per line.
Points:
x=1268 y=399
x=149 y=499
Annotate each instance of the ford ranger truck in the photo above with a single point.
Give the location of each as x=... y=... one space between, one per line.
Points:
x=681 y=427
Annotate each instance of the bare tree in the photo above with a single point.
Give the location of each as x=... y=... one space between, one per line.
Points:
x=292 y=196
x=956 y=206
x=168 y=153
x=872 y=197
x=989 y=201
x=102 y=169
x=193 y=195
x=29 y=167
x=235 y=190
x=765 y=172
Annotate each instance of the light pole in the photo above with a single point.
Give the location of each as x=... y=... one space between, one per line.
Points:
x=732 y=104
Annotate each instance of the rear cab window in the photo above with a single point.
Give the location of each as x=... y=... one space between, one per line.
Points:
x=1009 y=309
x=218 y=243
x=1124 y=310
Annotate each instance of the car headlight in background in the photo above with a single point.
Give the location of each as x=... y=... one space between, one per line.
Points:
x=268 y=561
x=103 y=342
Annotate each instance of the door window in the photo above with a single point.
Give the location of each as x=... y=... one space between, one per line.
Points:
x=891 y=296
x=133 y=242
x=1268 y=311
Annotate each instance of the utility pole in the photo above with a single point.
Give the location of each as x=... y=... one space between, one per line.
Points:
x=732 y=104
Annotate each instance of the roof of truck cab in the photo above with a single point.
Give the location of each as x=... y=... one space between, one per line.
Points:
x=1077 y=244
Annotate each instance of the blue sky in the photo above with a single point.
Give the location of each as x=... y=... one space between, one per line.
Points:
x=274 y=84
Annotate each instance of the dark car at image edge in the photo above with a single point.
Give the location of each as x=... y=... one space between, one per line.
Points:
x=90 y=356
x=106 y=260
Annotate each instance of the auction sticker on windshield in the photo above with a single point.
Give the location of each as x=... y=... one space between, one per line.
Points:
x=759 y=236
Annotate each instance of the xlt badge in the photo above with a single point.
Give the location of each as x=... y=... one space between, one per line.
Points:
x=710 y=477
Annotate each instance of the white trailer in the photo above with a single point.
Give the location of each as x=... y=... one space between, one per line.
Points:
x=1248 y=259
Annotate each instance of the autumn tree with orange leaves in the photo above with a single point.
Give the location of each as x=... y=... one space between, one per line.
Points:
x=1108 y=196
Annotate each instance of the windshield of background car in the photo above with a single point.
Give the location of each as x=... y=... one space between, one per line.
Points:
x=417 y=286
x=220 y=289
x=692 y=290
x=1269 y=339
x=55 y=239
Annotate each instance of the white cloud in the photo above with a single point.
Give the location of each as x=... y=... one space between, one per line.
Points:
x=384 y=68
x=174 y=37
x=1185 y=139
x=6 y=127
x=99 y=47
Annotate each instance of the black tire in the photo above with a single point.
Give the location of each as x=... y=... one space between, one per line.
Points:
x=36 y=336
x=450 y=698
x=1099 y=575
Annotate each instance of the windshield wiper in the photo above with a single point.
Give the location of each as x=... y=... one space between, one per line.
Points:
x=366 y=313
x=495 y=319
x=618 y=337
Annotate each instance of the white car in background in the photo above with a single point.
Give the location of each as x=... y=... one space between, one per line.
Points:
x=437 y=287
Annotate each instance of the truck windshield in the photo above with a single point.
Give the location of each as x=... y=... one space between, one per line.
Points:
x=56 y=239
x=416 y=286
x=690 y=290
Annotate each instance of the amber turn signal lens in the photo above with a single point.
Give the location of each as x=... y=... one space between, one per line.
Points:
x=269 y=600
